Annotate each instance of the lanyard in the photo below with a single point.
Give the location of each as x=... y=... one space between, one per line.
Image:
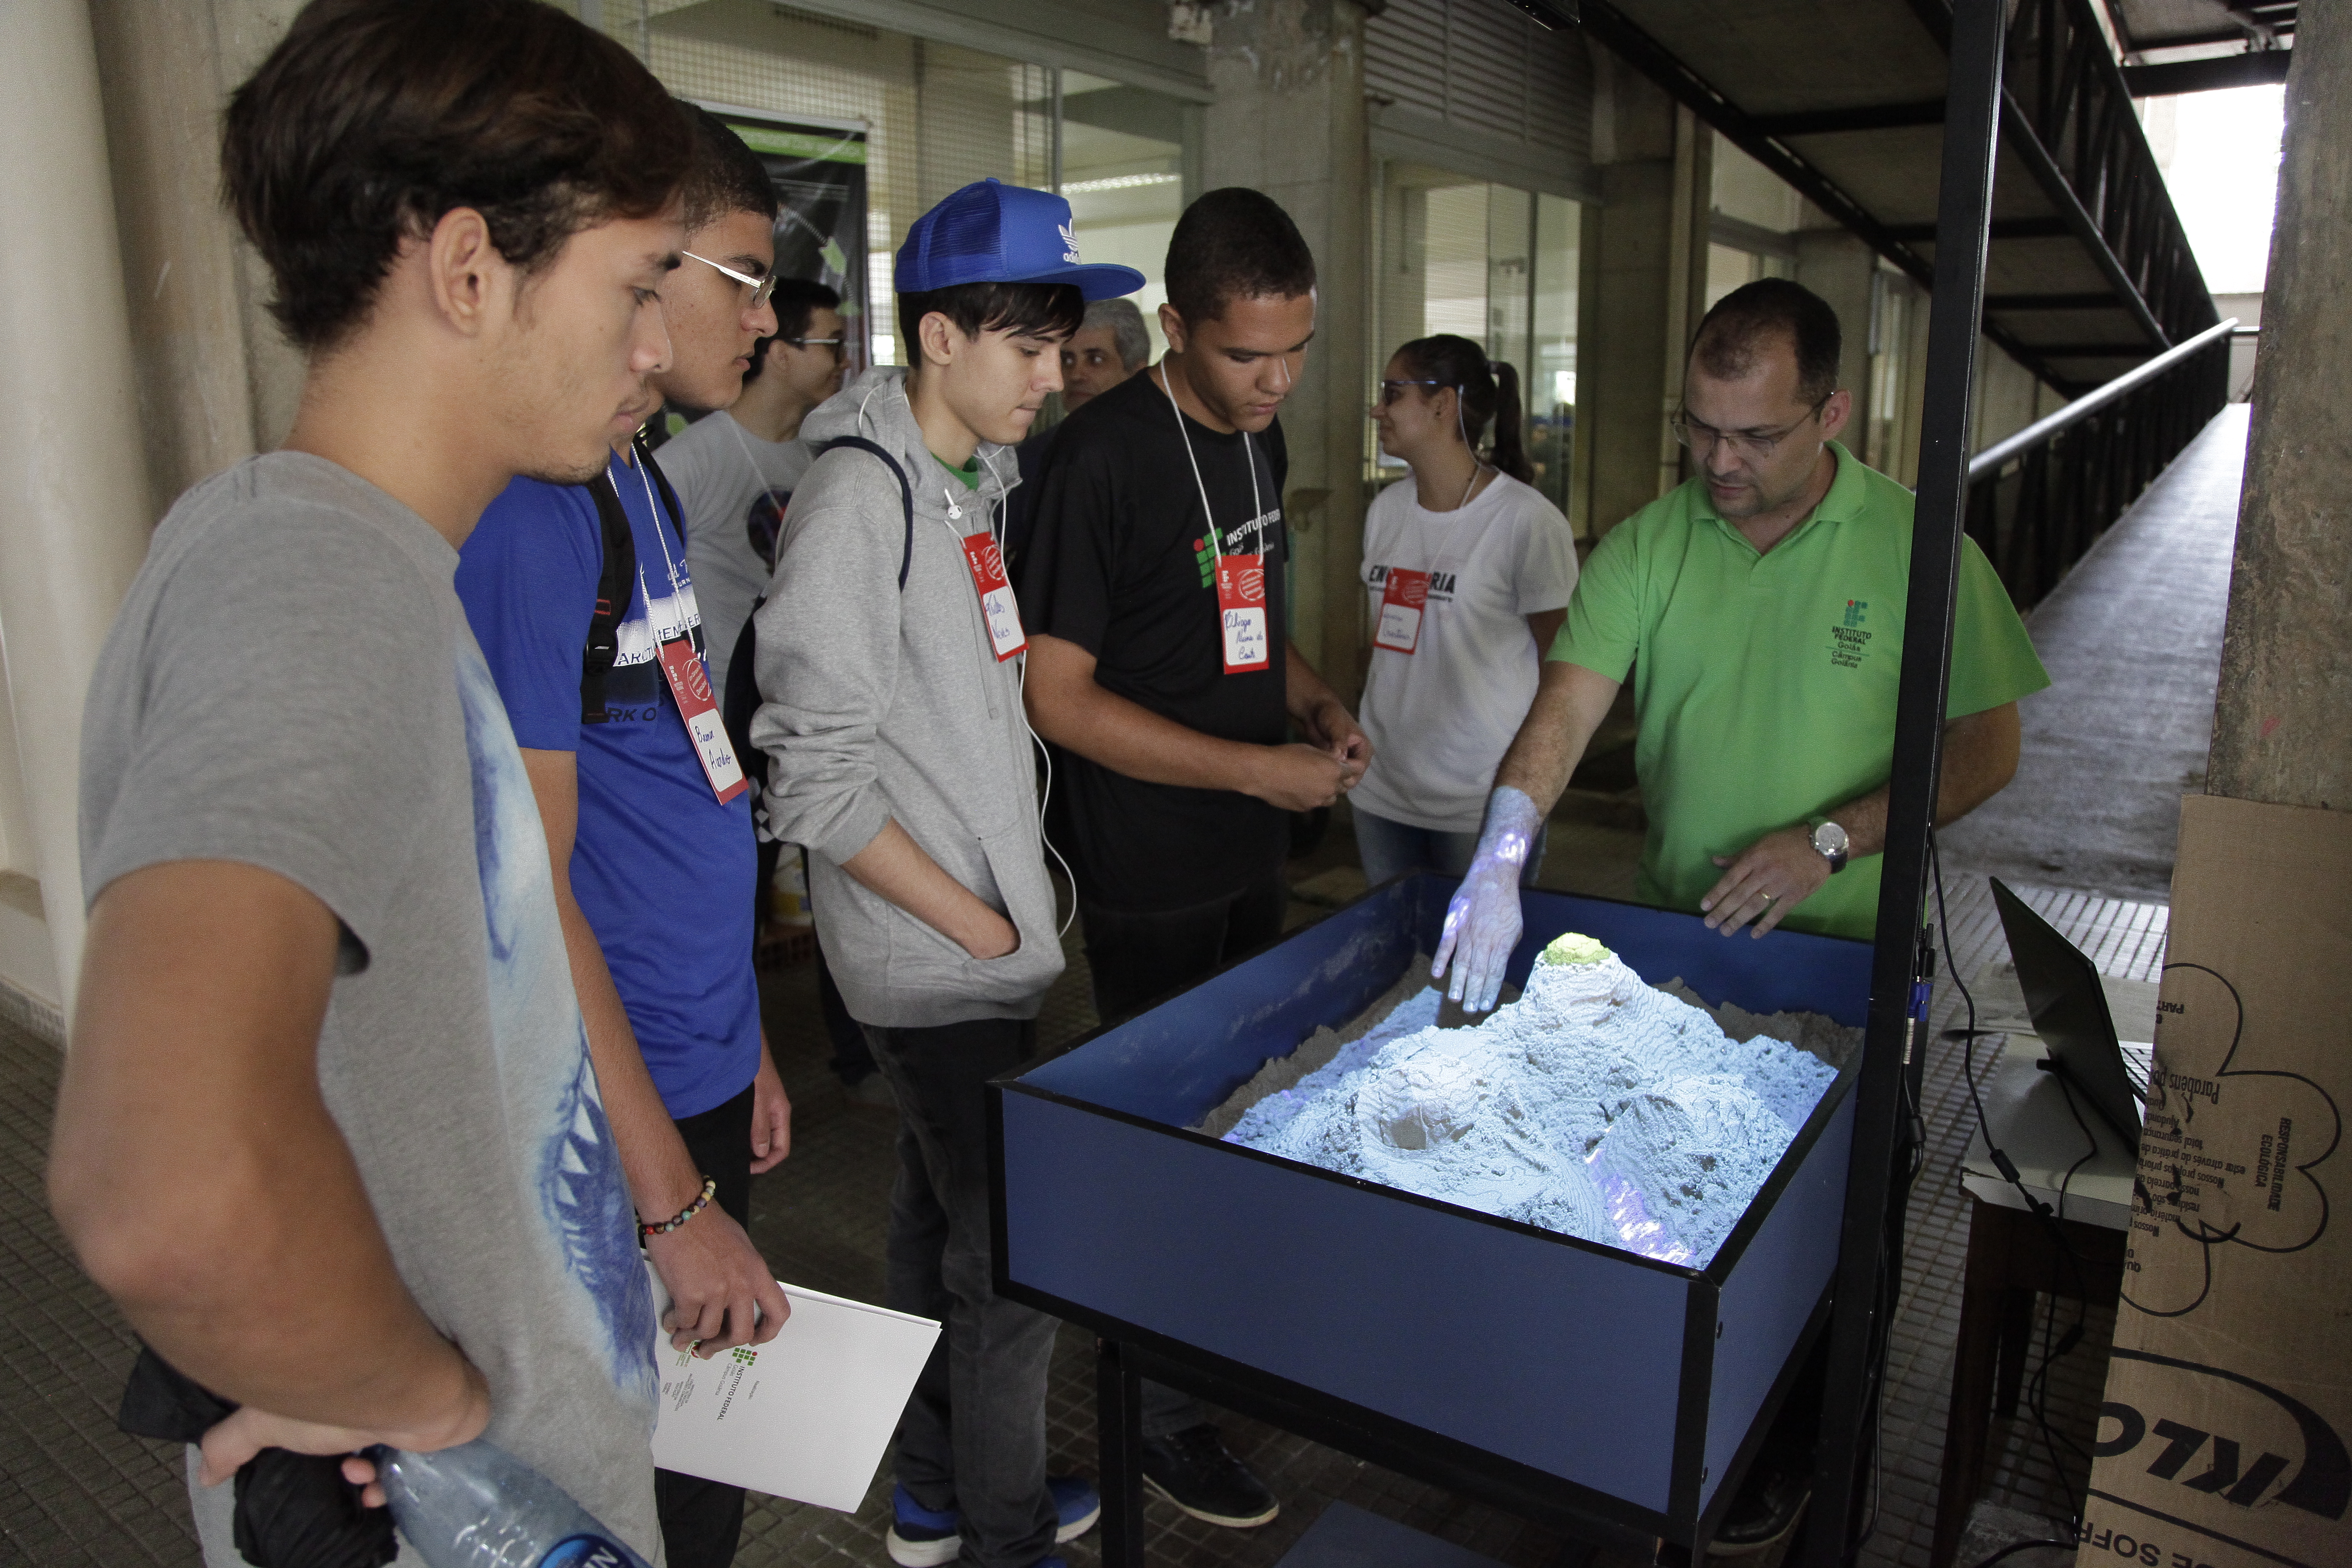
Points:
x=689 y=676
x=661 y=537
x=1249 y=456
x=1244 y=620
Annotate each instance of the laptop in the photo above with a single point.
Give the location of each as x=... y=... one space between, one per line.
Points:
x=2070 y=1014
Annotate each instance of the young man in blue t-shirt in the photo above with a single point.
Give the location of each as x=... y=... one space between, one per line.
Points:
x=649 y=835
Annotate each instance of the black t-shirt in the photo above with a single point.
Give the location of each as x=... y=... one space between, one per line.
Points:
x=1119 y=561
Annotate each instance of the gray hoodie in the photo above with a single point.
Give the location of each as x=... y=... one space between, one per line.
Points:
x=879 y=703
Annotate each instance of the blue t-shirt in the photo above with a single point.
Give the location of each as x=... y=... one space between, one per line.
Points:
x=664 y=872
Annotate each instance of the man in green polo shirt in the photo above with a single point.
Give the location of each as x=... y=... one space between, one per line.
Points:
x=1759 y=605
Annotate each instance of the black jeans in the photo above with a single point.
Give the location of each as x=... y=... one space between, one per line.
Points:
x=1138 y=958
x=702 y=1520
x=974 y=1435
x=852 y=1059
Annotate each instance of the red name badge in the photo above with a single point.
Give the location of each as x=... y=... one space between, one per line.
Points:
x=1242 y=613
x=689 y=682
x=1401 y=610
x=996 y=603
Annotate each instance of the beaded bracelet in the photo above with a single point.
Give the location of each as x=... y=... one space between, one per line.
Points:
x=710 y=1189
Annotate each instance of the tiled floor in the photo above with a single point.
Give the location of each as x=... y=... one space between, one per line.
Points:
x=72 y=1491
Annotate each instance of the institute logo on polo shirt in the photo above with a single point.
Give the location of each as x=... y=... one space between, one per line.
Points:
x=1850 y=641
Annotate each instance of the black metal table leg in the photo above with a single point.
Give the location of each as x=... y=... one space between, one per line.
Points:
x=1118 y=1425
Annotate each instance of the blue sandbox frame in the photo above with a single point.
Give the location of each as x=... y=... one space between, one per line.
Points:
x=1622 y=1387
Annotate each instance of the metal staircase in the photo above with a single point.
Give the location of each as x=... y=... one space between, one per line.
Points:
x=2088 y=273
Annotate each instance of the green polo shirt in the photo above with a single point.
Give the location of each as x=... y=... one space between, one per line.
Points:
x=1765 y=684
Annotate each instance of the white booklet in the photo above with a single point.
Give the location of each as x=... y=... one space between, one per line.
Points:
x=806 y=1416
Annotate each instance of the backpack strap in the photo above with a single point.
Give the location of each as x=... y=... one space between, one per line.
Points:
x=615 y=587
x=906 y=493
x=741 y=697
x=740 y=700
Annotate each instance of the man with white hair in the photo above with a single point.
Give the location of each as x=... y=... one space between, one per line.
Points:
x=1109 y=348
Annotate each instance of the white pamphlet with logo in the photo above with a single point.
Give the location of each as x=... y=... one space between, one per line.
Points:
x=806 y=1416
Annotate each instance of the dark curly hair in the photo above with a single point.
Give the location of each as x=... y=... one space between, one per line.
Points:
x=372 y=118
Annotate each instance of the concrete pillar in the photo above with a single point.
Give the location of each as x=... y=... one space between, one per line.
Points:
x=1691 y=204
x=1288 y=120
x=74 y=502
x=1643 y=282
x=2283 y=716
x=162 y=89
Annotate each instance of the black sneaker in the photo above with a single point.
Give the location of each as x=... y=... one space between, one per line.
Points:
x=1193 y=1470
x=1768 y=1505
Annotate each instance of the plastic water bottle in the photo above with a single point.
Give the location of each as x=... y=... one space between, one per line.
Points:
x=478 y=1506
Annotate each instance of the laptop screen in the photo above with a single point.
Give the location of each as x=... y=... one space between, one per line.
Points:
x=2070 y=1014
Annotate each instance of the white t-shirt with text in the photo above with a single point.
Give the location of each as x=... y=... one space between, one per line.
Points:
x=1441 y=717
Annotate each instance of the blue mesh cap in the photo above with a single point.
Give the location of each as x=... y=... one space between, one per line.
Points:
x=993 y=233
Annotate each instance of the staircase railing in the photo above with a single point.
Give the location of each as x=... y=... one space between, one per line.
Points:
x=2041 y=499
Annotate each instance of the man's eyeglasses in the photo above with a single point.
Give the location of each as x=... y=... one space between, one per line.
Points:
x=1392 y=390
x=1753 y=445
x=760 y=287
x=835 y=344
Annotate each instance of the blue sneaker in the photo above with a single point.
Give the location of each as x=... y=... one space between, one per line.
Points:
x=1077 y=1506
x=920 y=1537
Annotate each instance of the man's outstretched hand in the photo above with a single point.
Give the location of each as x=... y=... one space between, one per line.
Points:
x=1764 y=881
x=1483 y=923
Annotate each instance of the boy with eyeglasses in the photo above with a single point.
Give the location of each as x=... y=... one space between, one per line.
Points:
x=647 y=824
x=735 y=471
x=1761 y=605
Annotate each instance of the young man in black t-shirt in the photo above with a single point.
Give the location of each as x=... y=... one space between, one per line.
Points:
x=1161 y=669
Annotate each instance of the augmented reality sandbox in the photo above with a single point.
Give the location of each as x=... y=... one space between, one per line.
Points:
x=1583 y=1376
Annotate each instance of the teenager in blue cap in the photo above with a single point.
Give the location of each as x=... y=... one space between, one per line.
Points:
x=889 y=658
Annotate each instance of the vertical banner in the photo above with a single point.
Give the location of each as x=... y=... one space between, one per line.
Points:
x=819 y=170
x=2221 y=1440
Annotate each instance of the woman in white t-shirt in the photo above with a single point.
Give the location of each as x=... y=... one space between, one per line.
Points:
x=1469 y=570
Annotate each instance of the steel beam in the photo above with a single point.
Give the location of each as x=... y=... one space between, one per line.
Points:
x=2050 y=302
x=2002 y=229
x=2093 y=350
x=2258 y=68
x=1869 y=1270
x=1835 y=121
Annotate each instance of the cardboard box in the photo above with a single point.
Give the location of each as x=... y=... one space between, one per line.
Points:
x=2222 y=1438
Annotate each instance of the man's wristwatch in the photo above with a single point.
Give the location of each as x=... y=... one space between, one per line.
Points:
x=1830 y=843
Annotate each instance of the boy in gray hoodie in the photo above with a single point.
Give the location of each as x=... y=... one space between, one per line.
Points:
x=889 y=664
